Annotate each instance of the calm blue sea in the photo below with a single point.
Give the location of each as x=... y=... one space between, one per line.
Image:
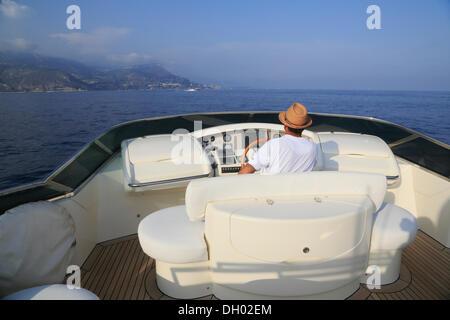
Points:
x=39 y=131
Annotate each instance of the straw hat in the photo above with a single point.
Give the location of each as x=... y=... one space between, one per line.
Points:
x=295 y=117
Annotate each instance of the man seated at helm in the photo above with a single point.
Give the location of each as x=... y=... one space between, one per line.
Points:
x=289 y=153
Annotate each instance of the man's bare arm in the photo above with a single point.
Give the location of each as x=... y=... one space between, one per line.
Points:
x=247 y=169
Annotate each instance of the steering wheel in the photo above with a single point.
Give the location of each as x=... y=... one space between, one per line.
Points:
x=248 y=148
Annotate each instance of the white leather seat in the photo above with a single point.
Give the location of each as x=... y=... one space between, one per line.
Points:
x=357 y=152
x=393 y=228
x=169 y=236
x=220 y=209
x=52 y=292
x=162 y=161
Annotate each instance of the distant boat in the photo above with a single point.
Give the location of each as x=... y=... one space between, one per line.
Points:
x=191 y=89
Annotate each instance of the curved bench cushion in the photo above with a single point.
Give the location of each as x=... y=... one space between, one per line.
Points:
x=36 y=245
x=393 y=228
x=169 y=236
x=52 y=292
x=202 y=191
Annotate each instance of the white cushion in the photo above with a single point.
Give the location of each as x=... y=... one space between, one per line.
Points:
x=357 y=152
x=393 y=228
x=350 y=144
x=169 y=236
x=52 y=292
x=162 y=158
x=139 y=150
x=359 y=164
x=165 y=171
x=36 y=246
x=200 y=192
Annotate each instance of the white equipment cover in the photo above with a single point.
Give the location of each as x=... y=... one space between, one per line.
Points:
x=52 y=292
x=36 y=246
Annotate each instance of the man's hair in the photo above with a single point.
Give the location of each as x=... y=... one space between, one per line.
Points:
x=295 y=131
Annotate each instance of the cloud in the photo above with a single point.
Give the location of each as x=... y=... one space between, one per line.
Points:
x=20 y=43
x=11 y=9
x=97 y=42
x=17 y=44
x=131 y=58
x=302 y=64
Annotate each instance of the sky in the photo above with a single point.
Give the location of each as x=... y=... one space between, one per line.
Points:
x=283 y=44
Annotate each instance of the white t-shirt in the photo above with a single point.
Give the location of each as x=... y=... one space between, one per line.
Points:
x=286 y=154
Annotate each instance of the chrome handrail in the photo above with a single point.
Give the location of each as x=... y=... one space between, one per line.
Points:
x=151 y=183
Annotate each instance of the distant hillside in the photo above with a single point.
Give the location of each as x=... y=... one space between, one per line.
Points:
x=20 y=72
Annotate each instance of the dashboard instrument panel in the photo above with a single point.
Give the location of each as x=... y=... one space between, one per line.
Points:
x=226 y=144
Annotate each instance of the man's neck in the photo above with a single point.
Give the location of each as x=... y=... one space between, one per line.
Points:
x=293 y=134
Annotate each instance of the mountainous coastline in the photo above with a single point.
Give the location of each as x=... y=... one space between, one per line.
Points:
x=23 y=72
